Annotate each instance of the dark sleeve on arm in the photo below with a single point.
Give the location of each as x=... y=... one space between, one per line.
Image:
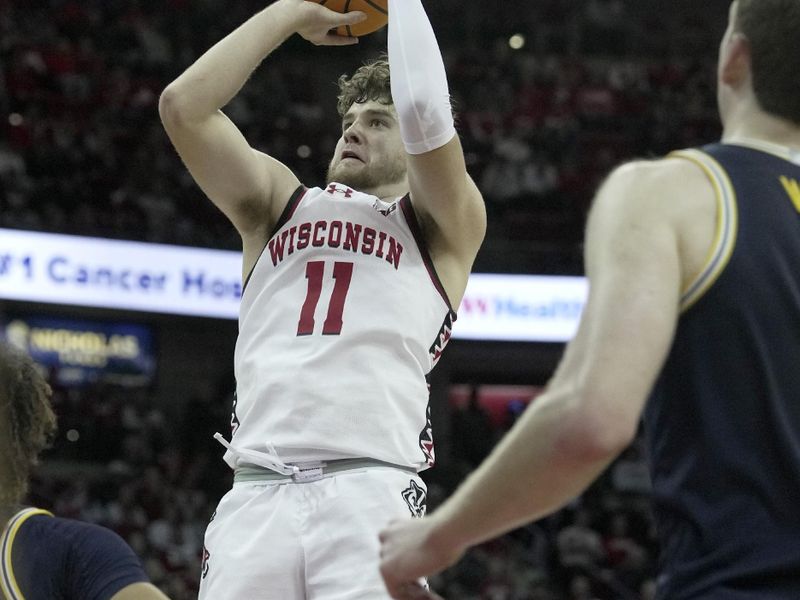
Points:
x=102 y=564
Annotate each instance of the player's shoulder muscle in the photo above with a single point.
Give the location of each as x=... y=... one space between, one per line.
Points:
x=659 y=186
x=258 y=214
x=652 y=194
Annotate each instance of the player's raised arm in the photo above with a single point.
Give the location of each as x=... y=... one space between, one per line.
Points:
x=245 y=184
x=443 y=194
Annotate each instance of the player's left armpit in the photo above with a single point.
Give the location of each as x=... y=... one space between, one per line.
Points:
x=418 y=79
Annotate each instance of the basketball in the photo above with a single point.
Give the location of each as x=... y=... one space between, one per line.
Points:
x=377 y=12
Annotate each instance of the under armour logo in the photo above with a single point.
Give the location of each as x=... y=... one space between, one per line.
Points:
x=416 y=498
x=335 y=189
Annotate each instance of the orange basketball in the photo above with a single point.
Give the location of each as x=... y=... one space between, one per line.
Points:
x=377 y=12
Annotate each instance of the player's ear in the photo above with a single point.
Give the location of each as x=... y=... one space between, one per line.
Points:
x=735 y=65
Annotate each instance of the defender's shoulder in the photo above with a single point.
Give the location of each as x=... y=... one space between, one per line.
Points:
x=677 y=171
x=669 y=186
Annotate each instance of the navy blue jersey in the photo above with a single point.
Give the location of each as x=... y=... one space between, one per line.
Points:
x=47 y=558
x=723 y=424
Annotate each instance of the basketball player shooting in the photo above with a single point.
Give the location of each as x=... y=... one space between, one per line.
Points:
x=349 y=297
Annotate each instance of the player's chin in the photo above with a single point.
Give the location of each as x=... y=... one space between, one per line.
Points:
x=352 y=175
x=335 y=168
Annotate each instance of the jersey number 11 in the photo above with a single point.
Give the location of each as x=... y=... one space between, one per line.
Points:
x=315 y=270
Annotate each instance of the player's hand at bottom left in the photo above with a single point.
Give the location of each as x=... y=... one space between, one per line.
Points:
x=410 y=550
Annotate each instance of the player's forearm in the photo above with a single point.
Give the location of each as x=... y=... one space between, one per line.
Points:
x=218 y=75
x=550 y=456
x=419 y=81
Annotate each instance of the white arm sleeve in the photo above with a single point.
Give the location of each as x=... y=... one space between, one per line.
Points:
x=418 y=79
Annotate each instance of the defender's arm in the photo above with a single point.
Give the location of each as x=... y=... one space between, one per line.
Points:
x=592 y=406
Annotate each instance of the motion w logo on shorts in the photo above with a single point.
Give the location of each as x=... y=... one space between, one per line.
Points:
x=416 y=498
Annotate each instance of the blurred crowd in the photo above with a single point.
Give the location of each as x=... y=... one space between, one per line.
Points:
x=602 y=546
x=550 y=95
x=123 y=462
x=119 y=460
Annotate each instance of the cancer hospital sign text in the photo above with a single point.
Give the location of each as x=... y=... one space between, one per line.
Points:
x=82 y=271
x=526 y=308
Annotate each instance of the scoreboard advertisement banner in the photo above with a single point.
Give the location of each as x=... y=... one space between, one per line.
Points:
x=157 y=278
x=81 y=351
x=84 y=271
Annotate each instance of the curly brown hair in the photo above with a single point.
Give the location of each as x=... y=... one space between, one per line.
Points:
x=370 y=82
x=27 y=422
x=771 y=27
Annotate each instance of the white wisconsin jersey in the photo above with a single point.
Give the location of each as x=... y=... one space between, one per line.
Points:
x=342 y=319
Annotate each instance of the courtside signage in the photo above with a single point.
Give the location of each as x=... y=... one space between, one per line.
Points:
x=83 y=351
x=83 y=271
x=72 y=270
x=524 y=308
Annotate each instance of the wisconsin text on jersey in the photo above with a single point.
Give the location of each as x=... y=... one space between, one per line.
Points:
x=348 y=236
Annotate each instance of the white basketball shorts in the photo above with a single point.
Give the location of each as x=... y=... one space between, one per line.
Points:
x=280 y=540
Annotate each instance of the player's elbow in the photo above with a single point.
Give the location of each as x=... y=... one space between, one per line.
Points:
x=595 y=431
x=172 y=106
x=591 y=442
x=610 y=439
x=167 y=105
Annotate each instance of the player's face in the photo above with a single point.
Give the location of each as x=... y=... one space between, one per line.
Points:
x=370 y=152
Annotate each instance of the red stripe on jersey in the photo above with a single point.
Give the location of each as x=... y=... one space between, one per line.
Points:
x=290 y=208
x=416 y=231
x=288 y=211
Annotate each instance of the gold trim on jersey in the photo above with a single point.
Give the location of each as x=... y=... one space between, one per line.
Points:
x=8 y=583
x=727 y=225
x=793 y=189
x=784 y=152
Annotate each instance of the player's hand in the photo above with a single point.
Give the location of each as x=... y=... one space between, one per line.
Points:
x=316 y=23
x=411 y=550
